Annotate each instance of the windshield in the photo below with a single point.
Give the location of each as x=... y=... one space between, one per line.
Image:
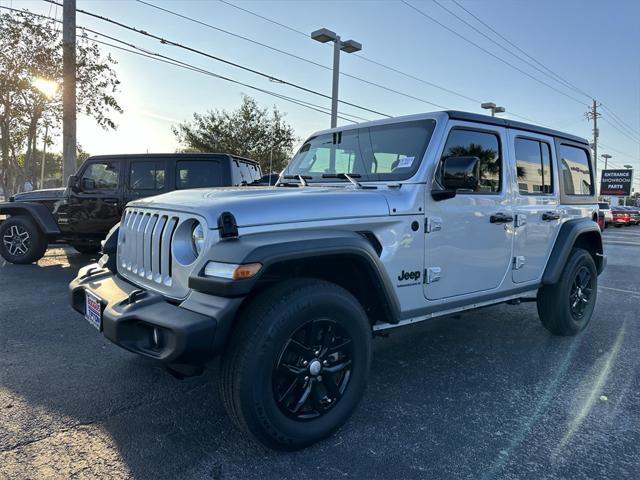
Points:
x=384 y=152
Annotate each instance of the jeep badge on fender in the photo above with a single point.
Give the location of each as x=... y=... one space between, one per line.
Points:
x=409 y=276
x=288 y=283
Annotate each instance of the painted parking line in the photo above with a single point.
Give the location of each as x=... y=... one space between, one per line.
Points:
x=631 y=292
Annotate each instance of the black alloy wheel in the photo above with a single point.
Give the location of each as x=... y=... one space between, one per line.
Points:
x=581 y=291
x=313 y=370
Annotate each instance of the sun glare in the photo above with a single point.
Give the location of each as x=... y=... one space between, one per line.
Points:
x=47 y=87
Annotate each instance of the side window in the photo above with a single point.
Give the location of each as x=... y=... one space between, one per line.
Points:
x=146 y=175
x=485 y=146
x=101 y=176
x=248 y=171
x=533 y=166
x=197 y=174
x=575 y=170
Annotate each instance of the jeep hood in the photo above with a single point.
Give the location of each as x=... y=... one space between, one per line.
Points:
x=253 y=206
x=39 y=195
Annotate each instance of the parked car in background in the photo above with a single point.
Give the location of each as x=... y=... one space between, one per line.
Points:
x=605 y=210
x=634 y=215
x=267 y=180
x=621 y=217
x=82 y=214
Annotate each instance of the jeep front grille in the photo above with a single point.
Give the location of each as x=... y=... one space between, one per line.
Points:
x=146 y=250
x=147 y=236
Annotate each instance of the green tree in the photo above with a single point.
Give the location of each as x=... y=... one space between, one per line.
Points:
x=31 y=49
x=250 y=131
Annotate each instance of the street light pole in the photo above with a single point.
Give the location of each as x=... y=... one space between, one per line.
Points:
x=628 y=167
x=325 y=35
x=44 y=154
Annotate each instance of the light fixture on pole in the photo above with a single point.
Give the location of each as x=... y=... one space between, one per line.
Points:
x=492 y=106
x=325 y=35
x=606 y=157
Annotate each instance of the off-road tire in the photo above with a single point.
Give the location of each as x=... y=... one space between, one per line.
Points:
x=555 y=301
x=86 y=249
x=257 y=344
x=36 y=243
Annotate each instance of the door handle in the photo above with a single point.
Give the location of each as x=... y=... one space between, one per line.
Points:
x=501 y=218
x=110 y=200
x=549 y=216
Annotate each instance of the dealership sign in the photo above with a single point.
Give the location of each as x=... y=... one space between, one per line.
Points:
x=616 y=182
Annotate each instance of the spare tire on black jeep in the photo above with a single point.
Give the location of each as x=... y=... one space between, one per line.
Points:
x=21 y=240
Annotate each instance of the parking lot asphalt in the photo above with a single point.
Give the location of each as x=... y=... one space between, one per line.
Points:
x=488 y=394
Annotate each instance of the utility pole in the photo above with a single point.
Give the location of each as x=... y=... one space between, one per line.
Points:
x=593 y=114
x=69 y=164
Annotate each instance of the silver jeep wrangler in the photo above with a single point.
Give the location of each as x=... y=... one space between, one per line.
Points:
x=371 y=227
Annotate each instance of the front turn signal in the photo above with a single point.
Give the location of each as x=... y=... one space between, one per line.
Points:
x=232 y=271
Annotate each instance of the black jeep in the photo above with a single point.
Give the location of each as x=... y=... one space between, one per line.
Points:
x=82 y=214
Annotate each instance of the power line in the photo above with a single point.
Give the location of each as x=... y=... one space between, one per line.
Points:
x=621 y=122
x=219 y=59
x=284 y=52
x=629 y=136
x=178 y=63
x=551 y=72
x=357 y=55
x=506 y=62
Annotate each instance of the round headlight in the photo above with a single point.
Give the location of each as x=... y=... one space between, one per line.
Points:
x=197 y=238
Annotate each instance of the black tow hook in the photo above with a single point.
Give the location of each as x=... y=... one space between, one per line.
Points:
x=135 y=295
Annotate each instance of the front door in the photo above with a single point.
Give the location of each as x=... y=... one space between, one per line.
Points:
x=96 y=203
x=469 y=238
x=535 y=203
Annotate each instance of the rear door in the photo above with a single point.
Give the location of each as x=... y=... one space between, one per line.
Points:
x=468 y=245
x=145 y=177
x=536 y=201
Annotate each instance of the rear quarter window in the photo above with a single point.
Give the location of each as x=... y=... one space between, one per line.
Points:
x=198 y=174
x=575 y=170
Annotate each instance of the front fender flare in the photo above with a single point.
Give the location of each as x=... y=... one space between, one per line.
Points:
x=37 y=211
x=272 y=248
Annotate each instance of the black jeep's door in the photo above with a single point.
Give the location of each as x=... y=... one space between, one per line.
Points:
x=145 y=177
x=96 y=204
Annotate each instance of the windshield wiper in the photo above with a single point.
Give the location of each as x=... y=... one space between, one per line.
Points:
x=345 y=176
x=302 y=178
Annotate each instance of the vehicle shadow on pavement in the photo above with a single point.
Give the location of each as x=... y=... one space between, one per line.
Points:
x=489 y=393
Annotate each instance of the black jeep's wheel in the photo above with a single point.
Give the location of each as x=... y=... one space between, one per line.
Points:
x=297 y=364
x=21 y=241
x=566 y=307
x=86 y=249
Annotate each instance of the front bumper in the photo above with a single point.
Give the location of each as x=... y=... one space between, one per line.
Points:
x=190 y=332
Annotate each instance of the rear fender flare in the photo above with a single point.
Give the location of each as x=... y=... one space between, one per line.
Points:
x=571 y=233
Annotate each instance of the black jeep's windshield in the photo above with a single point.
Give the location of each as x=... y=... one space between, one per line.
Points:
x=380 y=153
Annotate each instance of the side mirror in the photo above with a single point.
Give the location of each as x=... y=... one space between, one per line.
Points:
x=73 y=183
x=458 y=173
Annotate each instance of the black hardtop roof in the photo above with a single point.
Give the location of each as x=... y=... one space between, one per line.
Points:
x=503 y=122
x=189 y=155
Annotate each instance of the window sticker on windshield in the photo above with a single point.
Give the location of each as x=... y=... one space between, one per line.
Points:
x=405 y=162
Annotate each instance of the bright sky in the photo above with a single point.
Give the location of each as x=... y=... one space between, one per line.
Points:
x=592 y=44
